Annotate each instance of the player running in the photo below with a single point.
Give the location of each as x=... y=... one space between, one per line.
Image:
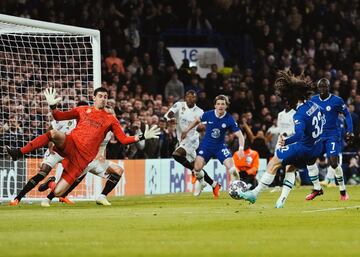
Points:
x=81 y=146
x=51 y=158
x=303 y=147
x=332 y=106
x=185 y=113
x=218 y=121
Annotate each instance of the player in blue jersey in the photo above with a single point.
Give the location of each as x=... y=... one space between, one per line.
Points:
x=332 y=106
x=218 y=122
x=305 y=145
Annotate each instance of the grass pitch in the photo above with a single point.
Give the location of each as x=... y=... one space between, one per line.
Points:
x=181 y=225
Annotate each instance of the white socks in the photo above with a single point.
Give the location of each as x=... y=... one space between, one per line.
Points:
x=288 y=184
x=234 y=175
x=264 y=182
x=340 y=177
x=314 y=175
x=330 y=175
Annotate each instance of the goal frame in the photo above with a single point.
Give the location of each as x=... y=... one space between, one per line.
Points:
x=56 y=27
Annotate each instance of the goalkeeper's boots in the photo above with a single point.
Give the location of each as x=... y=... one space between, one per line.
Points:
x=314 y=194
x=199 y=186
x=344 y=195
x=14 y=153
x=14 y=202
x=44 y=186
x=248 y=196
x=102 y=200
x=216 y=190
x=66 y=200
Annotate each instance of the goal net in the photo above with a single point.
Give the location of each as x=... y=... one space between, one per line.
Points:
x=35 y=55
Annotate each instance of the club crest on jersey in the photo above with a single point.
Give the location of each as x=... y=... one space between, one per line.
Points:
x=215 y=133
x=88 y=110
x=183 y=109
x=223 y=125
x=328 y=108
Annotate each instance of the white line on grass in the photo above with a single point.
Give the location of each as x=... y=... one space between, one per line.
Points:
x=333 y=209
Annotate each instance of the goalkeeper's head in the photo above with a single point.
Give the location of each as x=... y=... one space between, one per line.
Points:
x=100 y=98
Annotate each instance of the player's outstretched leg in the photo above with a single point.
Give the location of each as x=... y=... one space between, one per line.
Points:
x=265 y=181
x=44 y=171
x=53 y=135
x=288 y=184
x=314 y=177
x=115 y=172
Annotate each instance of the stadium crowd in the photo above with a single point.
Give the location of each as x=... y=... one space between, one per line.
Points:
x=319 y=38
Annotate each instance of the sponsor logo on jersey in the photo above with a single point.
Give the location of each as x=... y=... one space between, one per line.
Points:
x=215 y=133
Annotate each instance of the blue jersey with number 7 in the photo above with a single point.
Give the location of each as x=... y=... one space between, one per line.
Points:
x=309 y=122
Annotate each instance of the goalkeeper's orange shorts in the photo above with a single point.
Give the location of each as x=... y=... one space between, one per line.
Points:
x=73 y=162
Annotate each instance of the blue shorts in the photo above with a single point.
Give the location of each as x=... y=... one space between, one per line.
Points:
x=332 y=146
x=299 y=155
x=221 y=153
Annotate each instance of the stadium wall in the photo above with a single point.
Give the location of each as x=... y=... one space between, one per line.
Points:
x=141 y=177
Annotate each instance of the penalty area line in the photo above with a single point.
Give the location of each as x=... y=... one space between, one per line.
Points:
x=333 y=209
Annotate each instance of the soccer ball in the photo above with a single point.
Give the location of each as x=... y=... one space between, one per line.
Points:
x=235 y=187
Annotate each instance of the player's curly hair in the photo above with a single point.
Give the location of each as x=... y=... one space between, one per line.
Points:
x=293 y=88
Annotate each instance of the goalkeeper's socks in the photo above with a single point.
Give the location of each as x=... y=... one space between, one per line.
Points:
x=38 y=142
x=314 y=175
x=264 y=182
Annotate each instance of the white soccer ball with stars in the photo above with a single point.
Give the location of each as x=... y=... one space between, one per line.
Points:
x=235 y=187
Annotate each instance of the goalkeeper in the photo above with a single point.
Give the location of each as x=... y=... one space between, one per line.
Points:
x=81 y=146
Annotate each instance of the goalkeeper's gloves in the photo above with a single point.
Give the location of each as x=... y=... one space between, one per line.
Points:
x=50 y=97
x=150 y=133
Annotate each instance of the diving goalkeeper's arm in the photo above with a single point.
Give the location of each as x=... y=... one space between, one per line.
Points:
x=50 y=95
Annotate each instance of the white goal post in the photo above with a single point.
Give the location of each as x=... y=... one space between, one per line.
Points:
x=35 y=55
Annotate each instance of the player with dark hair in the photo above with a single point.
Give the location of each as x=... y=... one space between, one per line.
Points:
x=81 y=146
x=332 y=106
x=184 y=113
x=303 y=147
x=51 y=158
x=218 y=122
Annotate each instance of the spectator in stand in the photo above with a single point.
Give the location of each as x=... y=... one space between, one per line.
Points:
x=113 y=59
x=174 y=88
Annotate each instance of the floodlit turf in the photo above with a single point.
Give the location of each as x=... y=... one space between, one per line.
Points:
x=181 y=225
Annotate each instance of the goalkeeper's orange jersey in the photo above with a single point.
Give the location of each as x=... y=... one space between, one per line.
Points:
x=92 y=126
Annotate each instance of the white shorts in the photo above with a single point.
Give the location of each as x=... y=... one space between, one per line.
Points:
x=190 y=147
x=51 y=159
x=98 y=168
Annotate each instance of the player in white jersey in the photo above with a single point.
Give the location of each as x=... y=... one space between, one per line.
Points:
x=99 y=167
x=184 y=113
x=51 y=158
x=285 y=128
